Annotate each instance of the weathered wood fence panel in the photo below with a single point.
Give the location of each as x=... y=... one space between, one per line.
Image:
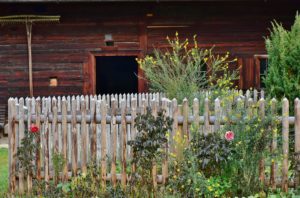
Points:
x=97 y=128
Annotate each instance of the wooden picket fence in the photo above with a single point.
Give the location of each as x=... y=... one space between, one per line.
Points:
x=85 y=128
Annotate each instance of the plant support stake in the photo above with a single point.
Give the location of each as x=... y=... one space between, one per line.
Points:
x=28 y=20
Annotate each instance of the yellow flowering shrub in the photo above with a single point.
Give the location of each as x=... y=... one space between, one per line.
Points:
x=184 y=69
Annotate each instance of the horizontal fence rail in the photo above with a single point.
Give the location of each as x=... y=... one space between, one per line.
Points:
x=86 y=128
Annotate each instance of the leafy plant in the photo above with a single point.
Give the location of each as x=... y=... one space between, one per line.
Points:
x=251 y=142
x=183 y=71
x=58 y=164
x=212 y=151
x=283 y=74
x=148 y=146
x=27 y=151
x=87 y=184
x=186 y=179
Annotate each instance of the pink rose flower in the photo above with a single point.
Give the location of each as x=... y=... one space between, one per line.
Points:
x=229 y=135
x=34 y=128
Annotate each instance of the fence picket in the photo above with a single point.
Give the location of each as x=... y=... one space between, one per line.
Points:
x=154 y=166
x=206 y=116
x=124 y=143
x=74 y=137
x=21 y=136
x=196 y=113
x=217 y=114
x=285 y=143
x=165 y=147
x=46 y=142
x=83 y=136
x=185 y=113
x=54 y=125
x=133 y=129
x=103 y=143
x=29 y=107
x=273 y=144
x=94 y=130
x=38 y=139
x=262 y=161
x=114 y=142
x=65 y=137
x=175 y=124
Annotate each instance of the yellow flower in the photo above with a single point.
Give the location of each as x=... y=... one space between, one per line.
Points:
x=172 y=155
x=167 y=135
x=209 y=188
x=174 y=177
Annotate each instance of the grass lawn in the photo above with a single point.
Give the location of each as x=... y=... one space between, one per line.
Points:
x=3 y=170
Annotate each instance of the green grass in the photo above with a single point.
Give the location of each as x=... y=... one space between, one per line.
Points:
x=3 y=170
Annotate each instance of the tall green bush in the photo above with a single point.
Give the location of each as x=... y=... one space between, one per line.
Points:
x=283 y=73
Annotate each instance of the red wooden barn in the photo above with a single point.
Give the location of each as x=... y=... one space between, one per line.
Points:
x=93 y=48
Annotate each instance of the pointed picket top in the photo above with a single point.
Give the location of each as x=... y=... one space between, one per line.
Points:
x=262 y=93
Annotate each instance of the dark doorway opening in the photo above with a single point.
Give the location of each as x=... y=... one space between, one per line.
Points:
x=116 y=74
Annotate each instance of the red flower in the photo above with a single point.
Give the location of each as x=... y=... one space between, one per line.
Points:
x=34 y=128
x=229 y=135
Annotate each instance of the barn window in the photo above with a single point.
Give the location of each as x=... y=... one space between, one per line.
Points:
x=261 y=66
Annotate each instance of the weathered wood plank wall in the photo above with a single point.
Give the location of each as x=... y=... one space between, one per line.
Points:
x=66 y=50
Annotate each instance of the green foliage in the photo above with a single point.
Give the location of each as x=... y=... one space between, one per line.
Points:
x=218 y=186
x=87 y=184
x=26 y=152
x=283 y=74
x=212 y=151
x=252 y=140
x=58 y=161
x=185 y=176
x=148 y=146
x=3 y=171
x=184 y=71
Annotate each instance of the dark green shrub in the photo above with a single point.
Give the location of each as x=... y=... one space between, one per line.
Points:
x=212 y=151
x=148 y=146
x=283 y=73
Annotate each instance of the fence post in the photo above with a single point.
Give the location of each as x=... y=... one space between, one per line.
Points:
x=206 y=116
x=124 y=135
x=114 y=143
x=274 y=143
x=103 y=142
x=12 y=144
x=185 y=114
x=217 y=114
x=175 y=124
x=45 y=139
x=29 y=107
x=262 y=161
x=74 y=137
x=83 y=136
x=196 y=113
x=21 y=136
x=65 y=138
x=38 y=139
x=165 y=155
x=285 y=143
x=154 y=167
x=133 y=129
x=297 y=141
